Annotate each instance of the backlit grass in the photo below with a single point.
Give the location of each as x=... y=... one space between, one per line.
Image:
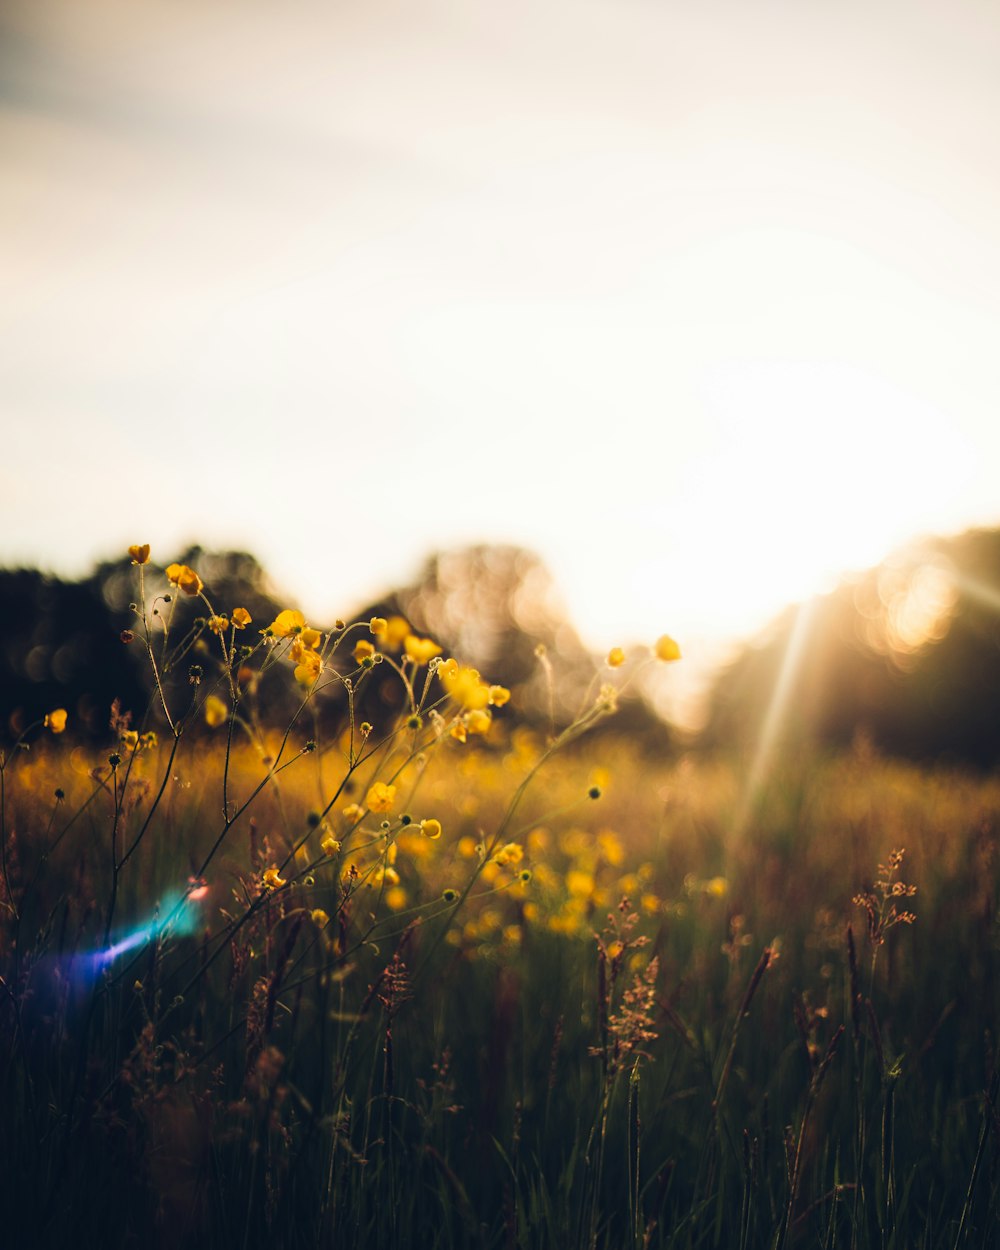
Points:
x=433 y=978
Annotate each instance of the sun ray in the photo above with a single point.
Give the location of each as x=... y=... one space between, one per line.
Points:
x=775 y=714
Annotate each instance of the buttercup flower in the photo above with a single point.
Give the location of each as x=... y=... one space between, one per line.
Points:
x=56 y=720
x=185 y=579
x=139 y=553
x=272 y=880
x=287 y=623
x=430 y=828
x=216 y=712
x=478 y=721
x=420 y=650
x=241 y=618
x=616 y=657
x=395 y=632
x=381 y=797
x=499 y=695
x=363 y=649
x=464 y=685
x=511 y=853
x=308 y=664
x=395 y=898
x=218 y=624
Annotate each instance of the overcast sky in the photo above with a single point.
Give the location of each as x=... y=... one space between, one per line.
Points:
x=698 y=300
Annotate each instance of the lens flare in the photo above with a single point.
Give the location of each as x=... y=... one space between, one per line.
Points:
x=176 y=915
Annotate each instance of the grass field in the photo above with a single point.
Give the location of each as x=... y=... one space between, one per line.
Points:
x=445 y=981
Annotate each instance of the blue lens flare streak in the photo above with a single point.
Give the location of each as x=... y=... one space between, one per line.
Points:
x=177 y=914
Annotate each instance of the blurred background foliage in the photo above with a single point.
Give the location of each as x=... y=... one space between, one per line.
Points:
x=904 y=657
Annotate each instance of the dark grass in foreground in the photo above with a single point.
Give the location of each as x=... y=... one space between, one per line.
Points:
x=739 y=1080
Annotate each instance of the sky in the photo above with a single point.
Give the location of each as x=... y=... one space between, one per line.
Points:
x=698 y=301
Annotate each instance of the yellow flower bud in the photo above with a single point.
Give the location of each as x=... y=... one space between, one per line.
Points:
x=666 y=649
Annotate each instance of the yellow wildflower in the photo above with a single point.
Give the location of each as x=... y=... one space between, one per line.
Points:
x=611 y=848
x=363 y=650
x=218 y=624
x=319 y=918
x=616 y=657
x=329 y=846
x=353 y=812
x=216 y=712
x=310 y=637
x=287 y=623
x=478 y=722
x=499 y=695
x=666 y=649
x=308 y=663
x=241 y=618
x=458 y=731
x=430 y=828
x=272 y=881
x=378 y=626
x=465 y=686
x=139 y=553
x=579 y=884
x=380 y=797
x=307 y=673
x=56 y=720
x=396 y=630
x=420 y=650
x=184 y=578
x=510 y=853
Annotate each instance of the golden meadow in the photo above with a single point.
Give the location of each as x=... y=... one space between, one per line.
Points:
x=440 y=977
